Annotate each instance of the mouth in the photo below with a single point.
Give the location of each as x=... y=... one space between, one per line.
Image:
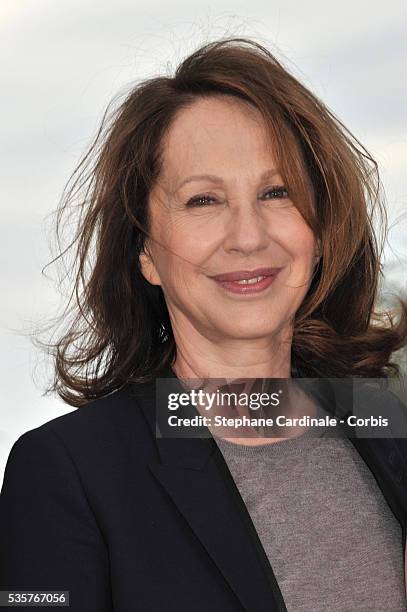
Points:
x=247 y=286
x=239 y=275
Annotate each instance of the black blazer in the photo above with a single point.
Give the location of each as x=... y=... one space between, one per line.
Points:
x=92 y=502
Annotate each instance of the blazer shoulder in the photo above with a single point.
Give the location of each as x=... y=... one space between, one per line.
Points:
x=115 y=409
x=47 y=519
x=104 y=426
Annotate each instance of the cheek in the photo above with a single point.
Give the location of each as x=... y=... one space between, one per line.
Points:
x=299 y=245
x=192 y=244
x=299 y=239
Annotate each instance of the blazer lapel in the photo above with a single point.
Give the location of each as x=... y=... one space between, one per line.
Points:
x=385 y=456
x=199 y=482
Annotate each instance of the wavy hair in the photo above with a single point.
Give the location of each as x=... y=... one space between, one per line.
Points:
x=120 y=329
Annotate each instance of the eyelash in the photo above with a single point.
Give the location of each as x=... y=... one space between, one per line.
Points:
x=194 y=202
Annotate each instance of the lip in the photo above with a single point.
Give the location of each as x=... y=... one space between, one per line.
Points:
x=245 y=274
x=248 y=289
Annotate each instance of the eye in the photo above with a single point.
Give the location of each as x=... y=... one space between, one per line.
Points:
x=277 y=192
x=200 y=200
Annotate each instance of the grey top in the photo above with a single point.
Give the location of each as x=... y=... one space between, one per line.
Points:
x=329 y=534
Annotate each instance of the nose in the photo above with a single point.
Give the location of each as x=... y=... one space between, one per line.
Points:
x=245 y=230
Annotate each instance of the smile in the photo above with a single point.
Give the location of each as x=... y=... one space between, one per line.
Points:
x=248 y=286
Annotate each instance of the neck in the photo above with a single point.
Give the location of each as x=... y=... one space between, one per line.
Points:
x=199 y=357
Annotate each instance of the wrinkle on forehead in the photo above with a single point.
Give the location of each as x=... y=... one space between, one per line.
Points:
x=196 y=130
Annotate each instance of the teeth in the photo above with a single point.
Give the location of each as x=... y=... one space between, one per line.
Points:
x=250 y=281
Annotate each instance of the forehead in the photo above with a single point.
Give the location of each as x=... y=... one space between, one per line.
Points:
x=213 y=132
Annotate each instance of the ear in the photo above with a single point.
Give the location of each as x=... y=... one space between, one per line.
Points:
x=148 y=268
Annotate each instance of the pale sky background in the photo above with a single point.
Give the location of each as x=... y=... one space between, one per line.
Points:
x=62 y=62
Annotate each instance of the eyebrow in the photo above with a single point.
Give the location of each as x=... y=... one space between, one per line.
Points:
x=217 y=179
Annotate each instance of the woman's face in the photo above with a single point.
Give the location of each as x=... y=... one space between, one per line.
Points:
x=238 y=218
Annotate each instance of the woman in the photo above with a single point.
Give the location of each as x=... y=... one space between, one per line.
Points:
x=229 y=169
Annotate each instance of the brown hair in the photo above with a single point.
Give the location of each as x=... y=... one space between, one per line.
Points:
x=121 y=330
